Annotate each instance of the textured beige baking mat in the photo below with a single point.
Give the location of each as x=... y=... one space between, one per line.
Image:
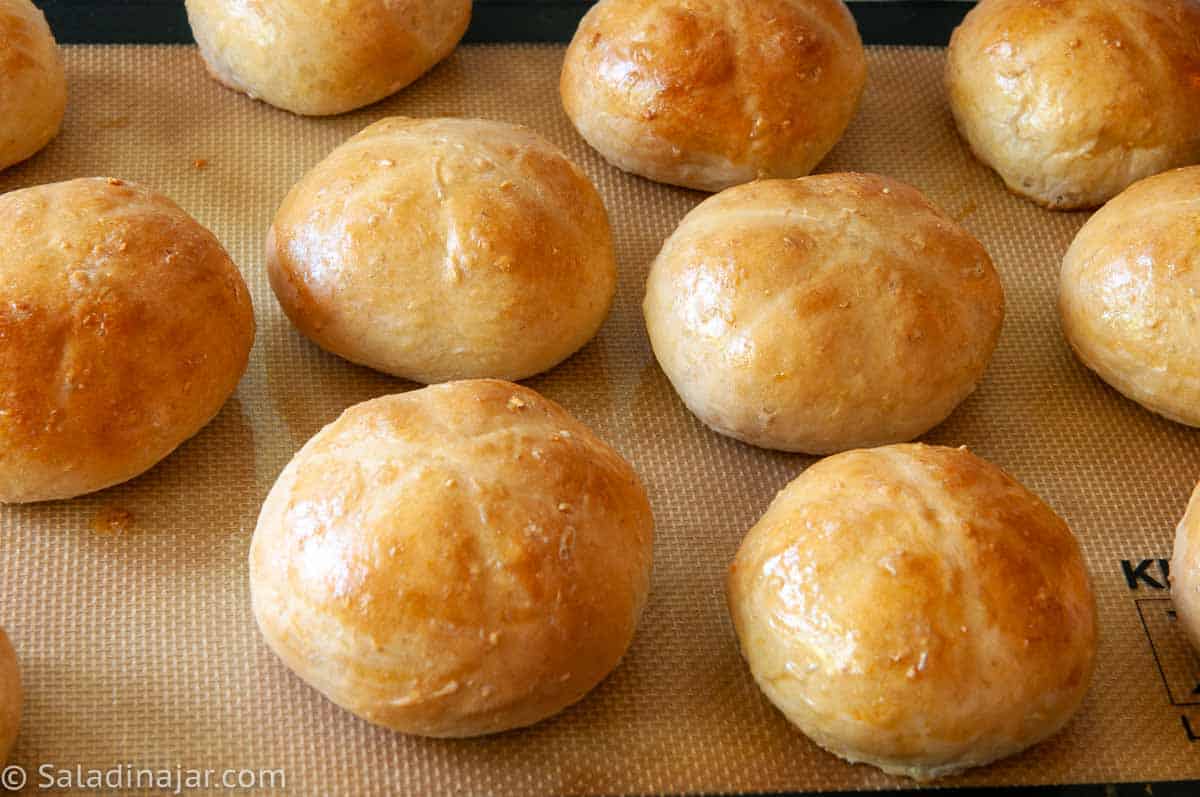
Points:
x=130 y=608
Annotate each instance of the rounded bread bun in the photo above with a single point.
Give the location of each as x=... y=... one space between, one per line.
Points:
x=441 y=249
x=321 y=57
x=712 y=94
x=10 y=697
x=915 y=608
x=1129 y=294
x=1070 y=101
x=825 y=313
x=124 y=327
x=33 y=85
x=1185 y=570
x=453 y=561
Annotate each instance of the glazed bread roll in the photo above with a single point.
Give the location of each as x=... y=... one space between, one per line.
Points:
x=321 y=57
x=1185 y=571
x=124 y=327
x=10 y=697
x=1129 y=294
x=825 y=313
x=454 y=561
x=33 y=87
x=713 y=94
x=440 y=249
x=915 y=608
x=1071 y=101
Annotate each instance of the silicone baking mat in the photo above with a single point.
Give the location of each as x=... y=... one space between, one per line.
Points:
x=130 y=609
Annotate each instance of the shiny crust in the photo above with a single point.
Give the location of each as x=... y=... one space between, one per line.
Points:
x=453 y=561
x=321 y=57
x=439 y=249
x=10 y=697
x=124 y=327
x=33 y=86
x=712 y=93
x=1185 y=570
x=915 y=608
x=1129 y=294
x=821 y=314
x=1070 y=101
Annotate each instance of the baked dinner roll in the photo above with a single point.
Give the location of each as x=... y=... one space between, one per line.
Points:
x=33 y=87
x=915 y=608
x=124 y=326
x=321 y=57
x=1185 y=571
x=1129 y=294
x=440 y=249
x=453 y=561
x=711 y=94
x=10 y=697
x=1070 y=101
x=825 y=313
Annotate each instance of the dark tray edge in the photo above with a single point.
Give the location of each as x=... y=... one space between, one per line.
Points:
x=902 y=22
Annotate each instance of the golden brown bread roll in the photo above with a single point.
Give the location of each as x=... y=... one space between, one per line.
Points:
x=1070 y=101
x=124 y=327
x=915 y=608
x=321 y=57
x=712 y=94
x=439 y=249
x=453 y=561
x=10 y=697
x=825 y=313
x=33 y=86
x=1129 y=294
x=1185 y=570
